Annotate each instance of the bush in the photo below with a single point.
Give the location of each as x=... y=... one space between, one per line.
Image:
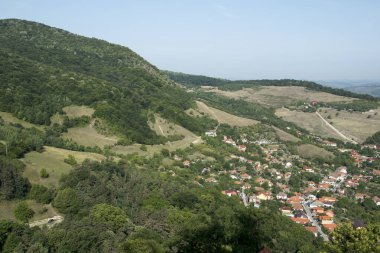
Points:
x=23 y=212
x=71 y=160
x=44 y=173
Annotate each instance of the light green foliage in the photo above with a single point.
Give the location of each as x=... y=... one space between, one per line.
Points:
x=71 y=160
x=111 y=215
x=44 y=173
x=347 y=239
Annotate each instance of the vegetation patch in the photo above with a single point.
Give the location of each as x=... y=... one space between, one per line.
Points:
x=52 y=160
x=88 y=136
x=41 y=211
x=224 y=117
x=314 y=152
x=76 y=111
x=8 y=117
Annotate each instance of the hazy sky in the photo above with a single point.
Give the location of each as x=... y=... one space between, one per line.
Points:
x=302 y=39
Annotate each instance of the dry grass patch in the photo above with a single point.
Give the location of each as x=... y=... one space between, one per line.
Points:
x=308 y=121
x=224 y=117
x=356 y=125
x=7 y=210
x=52 y=159
x=284 y=136
x=88 y=136
x=311 y=151
x=165 y=128
x=8 y=117
x=278 y=96
x=76 y=111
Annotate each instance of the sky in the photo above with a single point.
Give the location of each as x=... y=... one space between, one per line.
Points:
x=234 y=39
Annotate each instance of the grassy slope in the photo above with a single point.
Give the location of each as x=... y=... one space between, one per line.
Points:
x=52 y=159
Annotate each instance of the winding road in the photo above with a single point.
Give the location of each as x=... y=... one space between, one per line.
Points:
x=334 y=129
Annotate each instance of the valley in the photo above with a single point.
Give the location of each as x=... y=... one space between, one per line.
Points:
x=100 y=151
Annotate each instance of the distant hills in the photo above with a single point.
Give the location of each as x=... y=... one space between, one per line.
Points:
x=371 y=87
x=225 y=84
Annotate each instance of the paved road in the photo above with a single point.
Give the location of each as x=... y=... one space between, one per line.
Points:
x=334 y=129
x=314 y=222
x=244 y=197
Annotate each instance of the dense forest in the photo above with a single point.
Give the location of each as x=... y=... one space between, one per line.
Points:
x=43 y=69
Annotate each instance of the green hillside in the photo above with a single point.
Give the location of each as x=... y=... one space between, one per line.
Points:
x=43 y=69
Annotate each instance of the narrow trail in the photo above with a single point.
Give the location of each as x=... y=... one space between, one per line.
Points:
x=213 y=114
x=334 y=129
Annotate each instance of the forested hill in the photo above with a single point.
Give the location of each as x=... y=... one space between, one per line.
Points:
x=43 y=69
x=225 y=84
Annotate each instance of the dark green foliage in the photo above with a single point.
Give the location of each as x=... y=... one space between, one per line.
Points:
x=70 y=160
x=12 y=184
x=23 y=212
x=195 y=80
x=44 y=173
x=41 y=194
x=19 y=140
x=374 y=139
x=43 y=69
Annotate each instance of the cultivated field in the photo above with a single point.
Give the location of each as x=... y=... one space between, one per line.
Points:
x=311 y=151
x=308 y=121
x=52 y=159
x=76 y=111
x=88 y=136
x=7 y=210
x=12 y=119
x=355 y=125
x=278 y=96
x=224 y=117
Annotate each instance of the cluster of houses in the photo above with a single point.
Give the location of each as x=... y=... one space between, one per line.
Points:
x=255 y=182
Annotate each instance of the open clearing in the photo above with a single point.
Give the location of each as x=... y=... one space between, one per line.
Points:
x=284 y=136
x=278 y=96
x=308 y=121
x=355 y=125
x=311 y=151
x=76 y=111
x=88 y=136
x=52 y=159
x=8 y=117
x=165 y=128
x=224 y=117
x=7 y=210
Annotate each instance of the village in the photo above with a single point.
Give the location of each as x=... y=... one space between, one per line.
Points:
x=305 y=191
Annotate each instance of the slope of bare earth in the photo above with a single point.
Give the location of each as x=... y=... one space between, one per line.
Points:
x=224 y=117
x=278 y=96
x=356 y=125
x=308 y=121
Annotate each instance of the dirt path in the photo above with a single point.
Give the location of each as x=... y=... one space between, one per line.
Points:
x=49 y=222
x=334 y=129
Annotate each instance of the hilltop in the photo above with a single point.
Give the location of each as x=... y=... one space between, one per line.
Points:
x=43 y=69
